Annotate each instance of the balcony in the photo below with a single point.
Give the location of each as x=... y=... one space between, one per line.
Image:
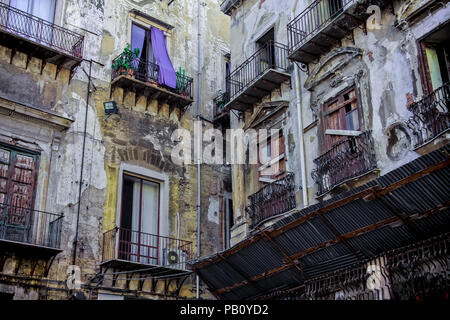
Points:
x=228 y=6
x=38 y=38
x=273 y=199
x=220 y=113
x=323 y=24
x=431 y=116
x=346 y=160
x=128 y=249
x=33 y=231
x=258 y=76
x=142 y=79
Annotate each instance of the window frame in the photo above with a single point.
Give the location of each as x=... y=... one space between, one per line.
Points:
x=152 y=176
x=280 y=158
x=339 y=97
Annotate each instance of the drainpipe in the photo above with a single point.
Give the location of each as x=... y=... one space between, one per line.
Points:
x=300 y=133
x=298 y=95
x=198 y=119
x=75 y=241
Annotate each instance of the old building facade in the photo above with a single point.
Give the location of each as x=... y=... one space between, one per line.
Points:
x=359 y=92
x=92 y=205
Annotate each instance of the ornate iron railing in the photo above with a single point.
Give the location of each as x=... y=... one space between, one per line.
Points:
x=30 y=226
x=147 y=71
x=220 y=101
x=415 y=272
x=145 y=248
x=312 y=19
x=272 y=55
x=273 y=199
x=227 y=5
x=38 y=30
x=347 y=159
x=431 y=115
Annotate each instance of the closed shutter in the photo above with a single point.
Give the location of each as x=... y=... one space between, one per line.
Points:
x=341 y=114
x=18 y=171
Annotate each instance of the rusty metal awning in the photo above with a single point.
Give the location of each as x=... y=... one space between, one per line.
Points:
x=402 y=207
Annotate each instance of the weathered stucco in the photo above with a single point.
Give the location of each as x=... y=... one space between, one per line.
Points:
x=139 y=135
x=381 y=61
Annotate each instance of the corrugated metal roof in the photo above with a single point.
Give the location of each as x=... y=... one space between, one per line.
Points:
x=256 y=266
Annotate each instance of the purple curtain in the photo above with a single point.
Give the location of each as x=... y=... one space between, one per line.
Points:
x=167 y=73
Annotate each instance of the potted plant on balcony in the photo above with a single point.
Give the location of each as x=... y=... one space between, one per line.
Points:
x=125 y=63
x=182 y=82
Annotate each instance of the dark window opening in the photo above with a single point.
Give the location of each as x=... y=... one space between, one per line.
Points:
x=266 y=46
x=229 y=221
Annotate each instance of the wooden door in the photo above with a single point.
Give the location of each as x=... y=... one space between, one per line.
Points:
x=18 y=172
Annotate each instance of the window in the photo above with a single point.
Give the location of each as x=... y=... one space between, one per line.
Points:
x=273 y=164
x=324 y=10
x=140 y=220
x=341 y=118
x=146 y=65
x=153 y=63
x=44 y=9
x=434 y=57
x=265 y=47
x=227 y=73
x=229 y=221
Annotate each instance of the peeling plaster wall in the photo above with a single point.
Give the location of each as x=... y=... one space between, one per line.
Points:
x=385 y=71
x=248 y=23
x=389 y=62
x=137 y=135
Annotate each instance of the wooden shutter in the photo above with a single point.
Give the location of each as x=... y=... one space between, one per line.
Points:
x=341 y=113
x=5 y=156
x=18 y=172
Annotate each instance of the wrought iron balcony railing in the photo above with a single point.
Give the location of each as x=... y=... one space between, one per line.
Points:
x=272 y=55
x=219 y=103
x=37 y=30
x=346 y=160
x=273 y=199
x=311 y=20
x=322 y=24
x=140 y=247
x=228 y=5
x=30 y=226
x=147 y=71
x=431 y=115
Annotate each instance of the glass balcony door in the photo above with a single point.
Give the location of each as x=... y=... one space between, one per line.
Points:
x=31 y=28
x=139 y=238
